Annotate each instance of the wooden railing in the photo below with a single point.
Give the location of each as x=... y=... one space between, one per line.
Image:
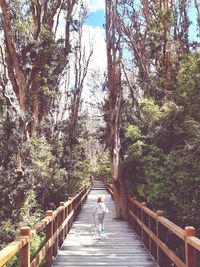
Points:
x=169 y=244
x=54 y=226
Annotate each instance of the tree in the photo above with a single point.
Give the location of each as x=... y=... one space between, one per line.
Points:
x=114 y=53
x=33 y=60
x=81 y=64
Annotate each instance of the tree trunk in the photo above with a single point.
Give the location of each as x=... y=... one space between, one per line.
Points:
x=113 y=39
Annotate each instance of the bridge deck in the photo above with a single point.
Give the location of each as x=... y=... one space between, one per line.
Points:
x=119 y=247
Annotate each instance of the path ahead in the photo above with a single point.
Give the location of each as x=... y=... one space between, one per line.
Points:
x=119 y=247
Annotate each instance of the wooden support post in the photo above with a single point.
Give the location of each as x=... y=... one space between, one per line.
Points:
x=143 y=204
x=159 y=213
x=67 y=225
x=62 y=219
x=24 y=253
x=129 y=207
x=190 y=252
x=82 y=198
x=49 y=234
x=70 y=208
x=55 y=227
x=150 y=240
x=135 y=212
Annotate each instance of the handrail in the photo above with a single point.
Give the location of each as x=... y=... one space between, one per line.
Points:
x=151 y=226
x=56 y=225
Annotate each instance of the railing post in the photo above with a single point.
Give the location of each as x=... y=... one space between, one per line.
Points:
x=70 y=208
x=82 y=198
x=159 y=213
x=67 y=225
x=49 y=234
x=143 y=204
x=134 y=212
x=24 y=253
x=150 y=240
x=129 y=207
x=62 y=219
x=190 y=252
x=55 y=227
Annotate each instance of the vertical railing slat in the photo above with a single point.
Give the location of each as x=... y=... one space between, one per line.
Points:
x=24 y=253
x=62 y=219
x=190 y=252
x=159 y=213
x=143 y=204
x=49 y=234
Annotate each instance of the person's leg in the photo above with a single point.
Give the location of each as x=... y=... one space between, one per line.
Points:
x=102 y=225
x=99 y=223
x=99 y=228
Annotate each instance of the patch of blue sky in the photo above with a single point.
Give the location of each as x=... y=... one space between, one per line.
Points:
x=193 y=32
x=96 y=18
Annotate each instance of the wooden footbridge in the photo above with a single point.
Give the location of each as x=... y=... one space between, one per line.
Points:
x=120 y=246
x=69 y=237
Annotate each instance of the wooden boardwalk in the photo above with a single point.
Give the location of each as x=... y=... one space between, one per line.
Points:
x=120 y=246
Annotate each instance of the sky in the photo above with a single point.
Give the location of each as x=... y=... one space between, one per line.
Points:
x=94 y=28
x=96 y=18
x=193 y=28
x=94 y=32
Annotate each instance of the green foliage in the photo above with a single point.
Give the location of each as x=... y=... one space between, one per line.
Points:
x=7 y=231
x=149 y=110
x=104 y=169
x=49 y=180
x=82 y=176
x=14 y=262
x=36 y=244
x=87 y=168
x=168 y=182
x=171 y=186
x=135 y=150
x=38 y=152
x=132 y=132
x=188 y=85
x=29 y=212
